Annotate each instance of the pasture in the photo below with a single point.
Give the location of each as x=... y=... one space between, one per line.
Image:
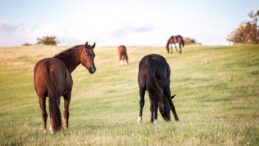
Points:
x=217 y=99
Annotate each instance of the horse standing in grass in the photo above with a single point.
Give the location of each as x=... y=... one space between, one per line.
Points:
x=123 y=56
x=52 y=78
x=178 y=39
x=154 y=76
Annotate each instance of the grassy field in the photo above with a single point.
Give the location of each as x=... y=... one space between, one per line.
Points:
x=217 y=99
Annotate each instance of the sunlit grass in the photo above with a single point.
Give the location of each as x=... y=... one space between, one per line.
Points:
x=217 y=99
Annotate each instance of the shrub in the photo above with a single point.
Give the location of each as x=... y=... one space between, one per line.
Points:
x=48 y=40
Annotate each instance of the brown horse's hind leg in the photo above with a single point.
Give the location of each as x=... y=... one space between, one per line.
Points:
x=42 y=102
x=67 y=98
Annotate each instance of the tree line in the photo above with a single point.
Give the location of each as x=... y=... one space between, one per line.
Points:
x=45 y=40
x=247 y=32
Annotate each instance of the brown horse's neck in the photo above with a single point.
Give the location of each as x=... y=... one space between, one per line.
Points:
x=70 y=57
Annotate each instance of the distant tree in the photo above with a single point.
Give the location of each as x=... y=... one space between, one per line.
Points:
x=189 y=41
x=48 y=40
x=247 y=32
x=26 y=44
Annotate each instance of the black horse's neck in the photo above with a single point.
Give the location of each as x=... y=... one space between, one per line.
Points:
x=70 y=57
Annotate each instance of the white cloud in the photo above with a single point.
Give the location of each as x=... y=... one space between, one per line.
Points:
x=68 y=34
x=109 y=33
x=11 y=34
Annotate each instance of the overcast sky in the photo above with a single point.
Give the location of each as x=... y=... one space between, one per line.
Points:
x=115 y=22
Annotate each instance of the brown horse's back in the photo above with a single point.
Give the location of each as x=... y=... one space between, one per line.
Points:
x=51 y=78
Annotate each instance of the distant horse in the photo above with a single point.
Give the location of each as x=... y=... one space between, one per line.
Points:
x=52 y=78
x=174 y=40
x=123 y=56
x=154 y=76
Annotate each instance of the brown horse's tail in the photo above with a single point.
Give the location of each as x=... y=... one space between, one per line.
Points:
x=167 y=45
x=152 y=85
x=54 y=100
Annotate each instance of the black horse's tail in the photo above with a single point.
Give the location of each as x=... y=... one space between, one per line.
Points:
x=54 y=100
x=152 y=83
x=167 y=45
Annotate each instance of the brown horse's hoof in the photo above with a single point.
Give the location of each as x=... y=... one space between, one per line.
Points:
x=51 y=130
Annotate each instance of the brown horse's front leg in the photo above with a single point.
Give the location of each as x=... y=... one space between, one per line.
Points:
x=171 y=48
x=67 y=98
x=176 y=48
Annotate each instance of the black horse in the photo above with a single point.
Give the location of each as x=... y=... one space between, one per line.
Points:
x=154 y=76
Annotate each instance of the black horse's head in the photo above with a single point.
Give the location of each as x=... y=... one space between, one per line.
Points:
x=164 y=108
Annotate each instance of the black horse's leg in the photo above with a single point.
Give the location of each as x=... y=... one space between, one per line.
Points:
x=42 y=102
x=153 y=110
x=167 y=93
x=152 y=113
x=67 y=98
x=141 y=102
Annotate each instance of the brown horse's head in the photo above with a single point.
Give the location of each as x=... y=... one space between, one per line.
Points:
x=87 y=57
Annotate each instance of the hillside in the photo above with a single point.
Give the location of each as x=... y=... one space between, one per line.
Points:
x=217 y=99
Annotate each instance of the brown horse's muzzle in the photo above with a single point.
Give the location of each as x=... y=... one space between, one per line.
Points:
x=92 y=70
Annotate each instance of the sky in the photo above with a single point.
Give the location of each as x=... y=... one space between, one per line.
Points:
x=116 y=22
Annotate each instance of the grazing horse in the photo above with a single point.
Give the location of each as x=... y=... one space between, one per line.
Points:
x=123 y=56
x=154 y=76
x=173 y=40
x=52 y=78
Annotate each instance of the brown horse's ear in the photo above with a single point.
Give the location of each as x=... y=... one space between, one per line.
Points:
x=172 y=96
x=93 y=45
x=86 y=45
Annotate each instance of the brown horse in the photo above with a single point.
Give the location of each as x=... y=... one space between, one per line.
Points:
x=178 y=39
x=123 y=56
x=52 y=78
x=154 y=76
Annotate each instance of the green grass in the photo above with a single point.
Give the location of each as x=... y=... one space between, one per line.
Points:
x=217 y=99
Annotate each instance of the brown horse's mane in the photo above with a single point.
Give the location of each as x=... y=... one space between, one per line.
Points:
x=70 y=57
x=68 y=52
